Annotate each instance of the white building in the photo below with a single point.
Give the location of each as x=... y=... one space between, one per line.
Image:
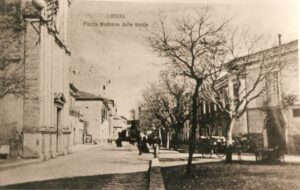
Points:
x=119 y=123
x=95 y=111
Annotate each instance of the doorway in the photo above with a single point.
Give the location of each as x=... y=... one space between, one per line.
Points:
x=275 y=125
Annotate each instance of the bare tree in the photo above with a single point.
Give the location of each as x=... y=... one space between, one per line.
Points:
x=169 y=103
x=11 y=32
x=243 y=79
x=189 y=44
x=154 y=101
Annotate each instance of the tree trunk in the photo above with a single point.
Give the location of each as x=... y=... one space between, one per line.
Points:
x=160 y=136
x=176 y=138
x=192 y=139
x=229 y=140
x=168 y=140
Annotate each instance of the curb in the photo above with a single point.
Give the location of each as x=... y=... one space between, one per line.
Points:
x=156 y=180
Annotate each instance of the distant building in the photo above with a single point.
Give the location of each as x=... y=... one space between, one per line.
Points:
x=76 y=122
x=95 y=111
x=119 y=124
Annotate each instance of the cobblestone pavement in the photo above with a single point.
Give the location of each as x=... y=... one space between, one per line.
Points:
x=102 y=167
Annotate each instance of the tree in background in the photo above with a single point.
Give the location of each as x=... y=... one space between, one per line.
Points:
x=168 y=102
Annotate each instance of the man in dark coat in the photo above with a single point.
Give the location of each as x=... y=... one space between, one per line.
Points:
x=156 y=142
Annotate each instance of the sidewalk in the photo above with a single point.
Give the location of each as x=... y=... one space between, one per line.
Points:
x=172 y=155
x=289 y=159
x=13 y=163
x=175 y=156
x=170 y=158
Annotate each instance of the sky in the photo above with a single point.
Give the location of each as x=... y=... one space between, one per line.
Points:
x=119 y=58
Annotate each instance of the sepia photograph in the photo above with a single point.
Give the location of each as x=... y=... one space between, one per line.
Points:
x=149 y=94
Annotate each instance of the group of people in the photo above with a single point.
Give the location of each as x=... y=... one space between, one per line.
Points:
x=153 y=140
x=143 y=142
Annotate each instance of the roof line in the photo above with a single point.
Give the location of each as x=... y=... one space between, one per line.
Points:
x=266 y=50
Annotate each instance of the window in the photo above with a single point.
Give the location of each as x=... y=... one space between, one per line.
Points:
x=272 y=84
x=296 y=112
x=236 y=88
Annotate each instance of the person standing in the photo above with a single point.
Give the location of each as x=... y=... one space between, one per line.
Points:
x=156 y=143
x=139 y=143
x=144 y=146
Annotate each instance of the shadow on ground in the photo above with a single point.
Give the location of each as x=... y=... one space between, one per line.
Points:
x=236 y=175
x=137 y=180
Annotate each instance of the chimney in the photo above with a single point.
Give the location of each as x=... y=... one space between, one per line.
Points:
x=279 y=39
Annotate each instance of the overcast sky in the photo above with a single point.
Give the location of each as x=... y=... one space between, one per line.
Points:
x=118 y=58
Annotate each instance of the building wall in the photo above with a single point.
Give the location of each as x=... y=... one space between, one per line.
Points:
x=76 y=126
x=117 y=127
x=112 y=111
x=91 y=111
x=45 y=74
x=119 y=124
x=11 y=117
x=75 y=123
x=288 y=84
x=289 y=76
x=292 y=131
